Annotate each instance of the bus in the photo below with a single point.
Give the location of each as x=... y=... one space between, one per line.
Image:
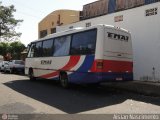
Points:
x=95 y=54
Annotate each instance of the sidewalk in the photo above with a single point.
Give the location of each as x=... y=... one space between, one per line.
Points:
x=142 y=87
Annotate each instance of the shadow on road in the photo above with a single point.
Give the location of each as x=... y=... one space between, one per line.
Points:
x=77 y=98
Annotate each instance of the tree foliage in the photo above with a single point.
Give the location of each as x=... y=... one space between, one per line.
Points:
x=4 y=48
x=14 y=48
x=8 y=23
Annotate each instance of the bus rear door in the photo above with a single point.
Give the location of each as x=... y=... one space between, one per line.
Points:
x=117 y=56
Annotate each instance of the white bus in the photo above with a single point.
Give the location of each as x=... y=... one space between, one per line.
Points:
x=91 y=55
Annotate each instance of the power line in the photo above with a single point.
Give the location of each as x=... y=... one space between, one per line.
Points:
x=26 y=14
x=25 y=6
x=22 y=12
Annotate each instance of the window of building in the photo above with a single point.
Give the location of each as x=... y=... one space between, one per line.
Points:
x=62 y=46
x=152 y=11
x=53 y=30
x=84 y=43
x=71 y=27
x=88 y=24
x=38 y=49
x=43 y=33
x=118 y=18
x=47 y=48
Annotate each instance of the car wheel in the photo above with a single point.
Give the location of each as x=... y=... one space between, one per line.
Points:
x=64 y=80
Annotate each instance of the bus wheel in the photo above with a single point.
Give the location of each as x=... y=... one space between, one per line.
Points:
x=31 y=75
x=64 y=80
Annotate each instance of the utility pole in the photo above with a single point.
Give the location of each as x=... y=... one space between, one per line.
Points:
x=153 y=73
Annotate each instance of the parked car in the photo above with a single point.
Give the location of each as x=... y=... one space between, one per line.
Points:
x=15 y=66
x=2 y=65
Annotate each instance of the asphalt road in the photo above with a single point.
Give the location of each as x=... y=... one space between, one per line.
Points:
x=18 y=95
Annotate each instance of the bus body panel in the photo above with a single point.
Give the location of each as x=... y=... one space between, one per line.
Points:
x=77 y=67
x=117 y=45
x=46 y=65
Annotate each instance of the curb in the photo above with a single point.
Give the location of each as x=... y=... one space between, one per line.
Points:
x=146 y=88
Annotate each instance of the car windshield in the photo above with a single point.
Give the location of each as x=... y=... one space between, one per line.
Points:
x=19 y=62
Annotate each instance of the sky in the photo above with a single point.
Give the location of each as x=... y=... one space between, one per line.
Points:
x=33 y=11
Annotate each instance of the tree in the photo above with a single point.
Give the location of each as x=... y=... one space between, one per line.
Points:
x=8 y=23
x=13 y=48
x=4 y=48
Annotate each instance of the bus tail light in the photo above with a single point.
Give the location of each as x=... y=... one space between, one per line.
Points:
x=99 y=64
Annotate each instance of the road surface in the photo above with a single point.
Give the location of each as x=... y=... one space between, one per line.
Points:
x=18 y=95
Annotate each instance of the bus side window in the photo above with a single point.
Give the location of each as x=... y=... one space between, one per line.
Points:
x=38 y=49
x=84 y=43
x=62 y=46
x=47 y=48
x=31 y=51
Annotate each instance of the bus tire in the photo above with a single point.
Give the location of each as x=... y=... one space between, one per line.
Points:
x=31 y=75
x=64 y=80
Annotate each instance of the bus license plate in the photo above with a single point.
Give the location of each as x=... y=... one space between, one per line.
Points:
x=119 y=79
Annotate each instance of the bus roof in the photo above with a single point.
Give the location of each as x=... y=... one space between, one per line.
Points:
x=79 y=29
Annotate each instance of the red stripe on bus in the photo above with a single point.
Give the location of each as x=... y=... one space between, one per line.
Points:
x=117 y=66
x=113 y=66
x=71 y=63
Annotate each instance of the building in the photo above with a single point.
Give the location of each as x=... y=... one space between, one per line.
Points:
x=143 y=23
x=103 y=7
x=57 y=18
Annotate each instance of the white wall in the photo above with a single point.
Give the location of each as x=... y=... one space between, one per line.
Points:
x=145 y=37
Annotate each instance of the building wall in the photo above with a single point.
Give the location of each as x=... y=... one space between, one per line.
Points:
x=103 y=7
x=144 y=24
x=56 y=18
x=95 y=9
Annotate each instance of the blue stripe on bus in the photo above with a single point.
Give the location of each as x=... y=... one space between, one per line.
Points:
x=100 y=77
x=87 y=64
x=82 y=70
